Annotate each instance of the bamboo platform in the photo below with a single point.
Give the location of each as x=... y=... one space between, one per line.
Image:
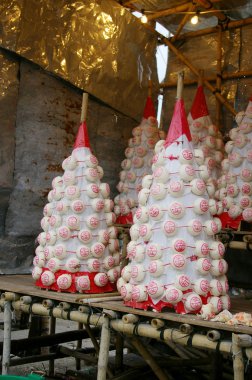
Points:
x=107 y=311
x=24 y=285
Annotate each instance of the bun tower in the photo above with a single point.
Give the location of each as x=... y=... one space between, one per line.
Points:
x=78 y=249
x=174 y=259
x=137 y=163
x=206 y=138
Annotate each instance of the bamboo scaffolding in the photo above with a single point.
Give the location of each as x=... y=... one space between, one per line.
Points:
x=184 y=21
x=188 y=63
x=207 y=4
x=108 y=319
x=214 y=29
x=224 y=76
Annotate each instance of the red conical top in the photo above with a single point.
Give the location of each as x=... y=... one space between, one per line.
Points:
x=199 y=107
x=149 y=109
x=82 y=140
x=179 y=125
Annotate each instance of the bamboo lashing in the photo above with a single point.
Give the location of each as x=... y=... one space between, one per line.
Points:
x=84 y=107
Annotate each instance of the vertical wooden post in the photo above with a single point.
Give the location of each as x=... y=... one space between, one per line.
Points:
x=104 y=350
x=218 y=78
x=238 y=364
x=84 y=107
x=119 y=344
x=6 y=338
x=79 y=345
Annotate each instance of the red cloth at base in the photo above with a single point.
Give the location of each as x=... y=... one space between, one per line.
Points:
x=72 y=289
x=228 y=222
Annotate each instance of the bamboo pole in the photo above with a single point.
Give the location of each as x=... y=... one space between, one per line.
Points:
x=196 y=72
x=244 y=340
x=169 y=11
x=104 y=350
x=239 y=245
x=119 y=346
x=64 y=305
x=6 y=338
x=79 y=346
x=180 y=85
x=48 y=303
x=207 y=4
x=10 y=296
x=157 y=323
x=179 y=350
x=224 y=76
x=26 y=299
x=213 y=335
x=218 y=77
x=92 y=337
x=84 y=107
x=150 y=360
x=238 y=364
x=184 y=21
x=214 y=29
x=198 y=340
x=130 y=318
x=185 y=328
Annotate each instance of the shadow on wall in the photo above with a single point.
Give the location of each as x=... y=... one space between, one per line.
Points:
x=40 y=116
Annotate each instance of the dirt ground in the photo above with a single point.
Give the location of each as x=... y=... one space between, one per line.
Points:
x=62 y=366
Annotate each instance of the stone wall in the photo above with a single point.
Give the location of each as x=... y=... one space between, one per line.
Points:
x=40 y=118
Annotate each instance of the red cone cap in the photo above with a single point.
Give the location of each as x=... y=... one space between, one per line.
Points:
x=82 y=140
x=179 y=125
x=199 y=107
x=149 y=109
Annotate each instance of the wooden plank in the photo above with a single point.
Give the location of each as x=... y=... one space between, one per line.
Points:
x=189 y=318
x=24 y=285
